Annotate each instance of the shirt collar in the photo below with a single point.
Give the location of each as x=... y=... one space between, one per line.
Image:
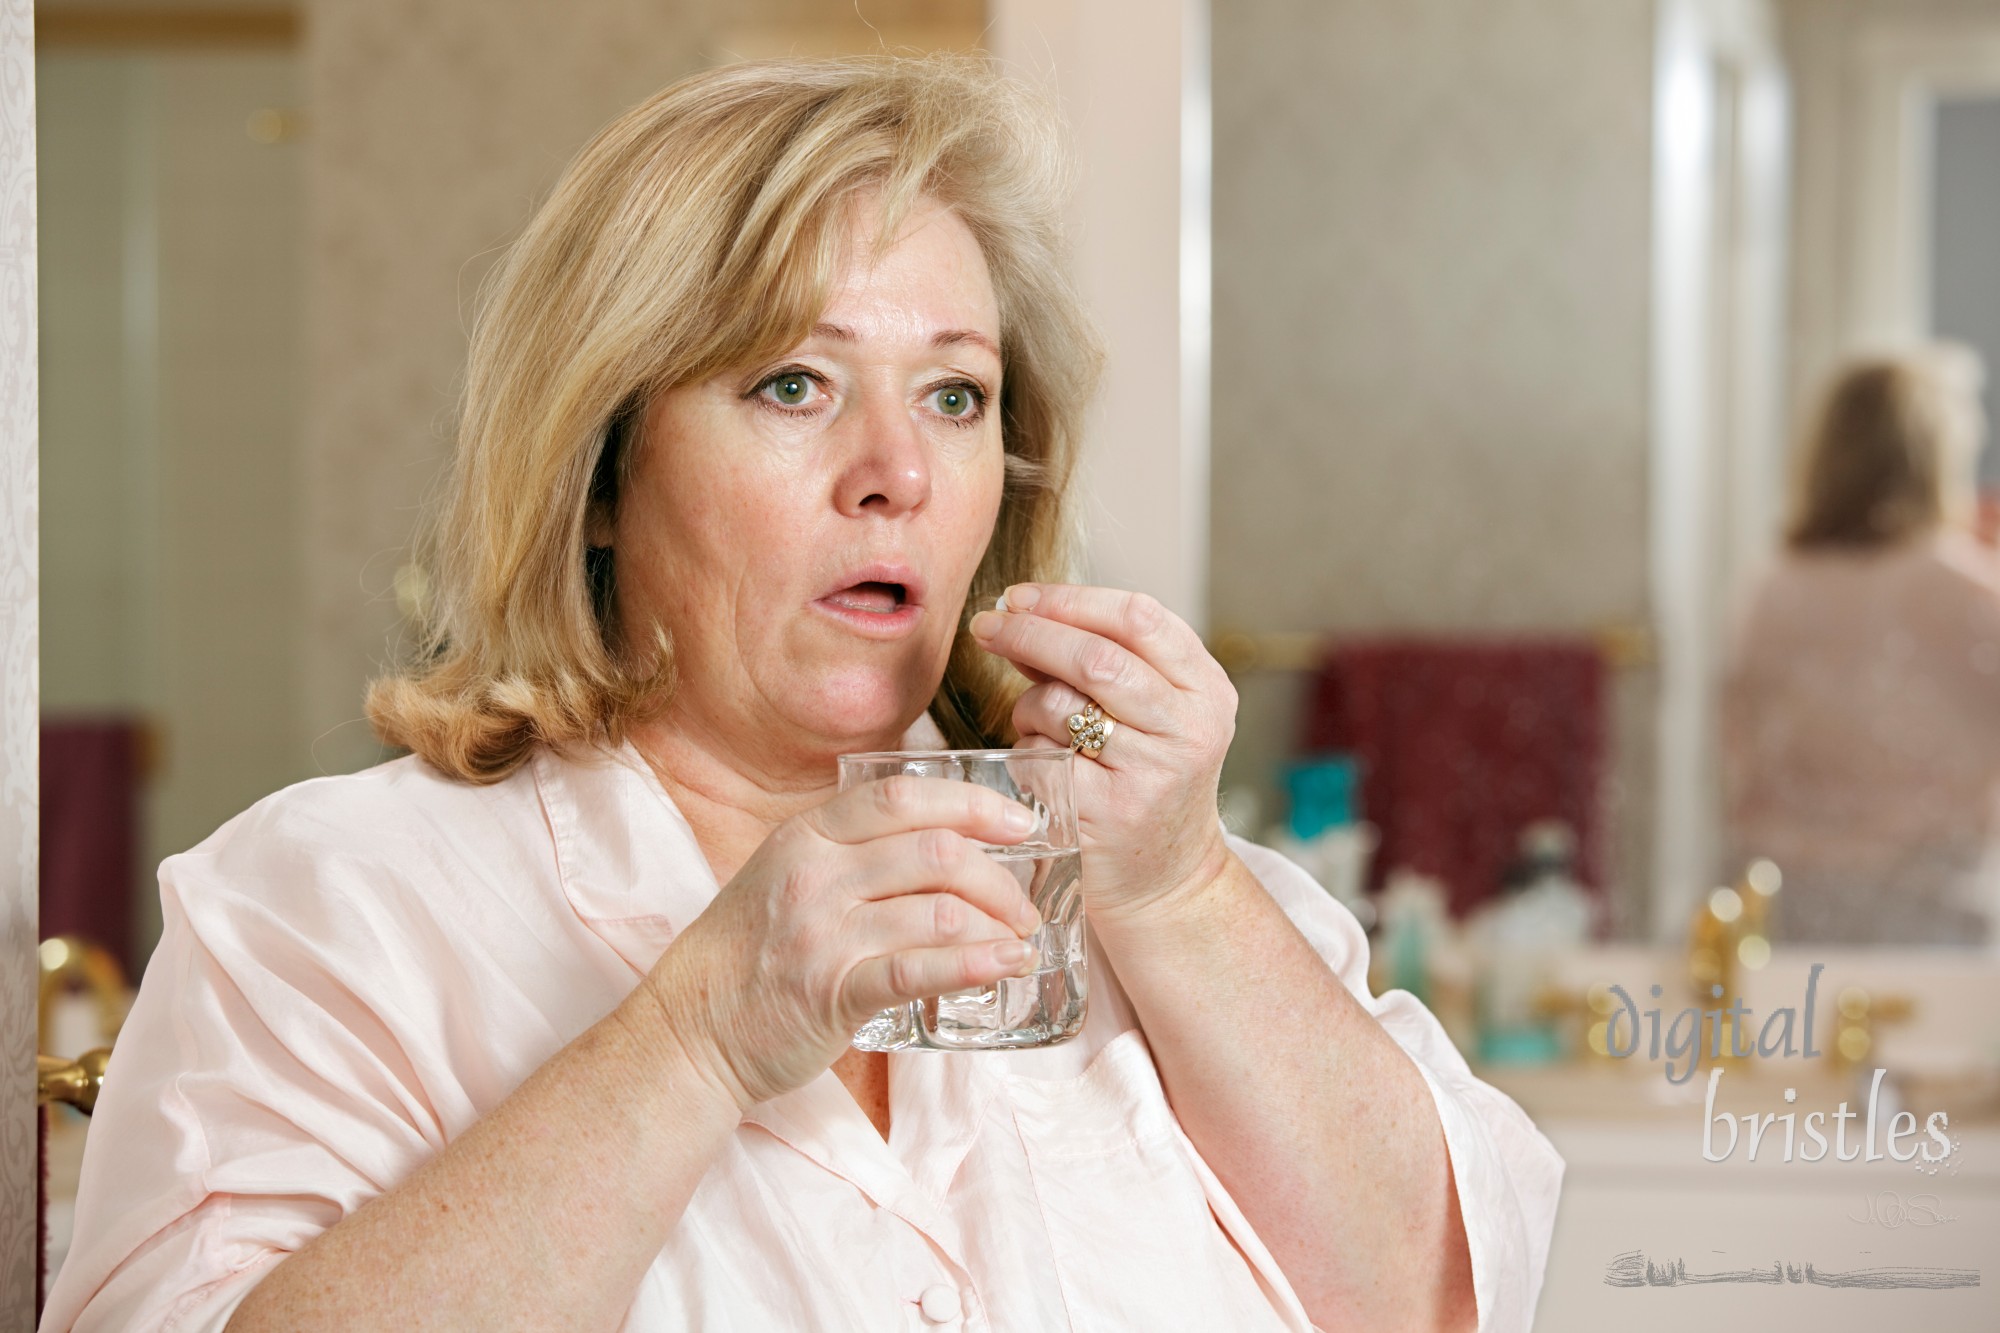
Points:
x=633 y=871
x=627 y=857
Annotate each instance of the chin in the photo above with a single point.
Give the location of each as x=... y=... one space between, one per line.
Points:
x=864 y=710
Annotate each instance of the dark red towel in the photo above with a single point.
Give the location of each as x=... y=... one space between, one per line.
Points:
x=90 y=832
x=1463 y=743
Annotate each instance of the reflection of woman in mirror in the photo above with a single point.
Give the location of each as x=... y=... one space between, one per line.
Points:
x=547 y=1025
x=1861 y=719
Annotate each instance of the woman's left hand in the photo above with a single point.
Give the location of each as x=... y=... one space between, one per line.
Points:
x=1147 y=804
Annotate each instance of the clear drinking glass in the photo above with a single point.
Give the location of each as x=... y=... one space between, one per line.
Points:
x=1047 y=1005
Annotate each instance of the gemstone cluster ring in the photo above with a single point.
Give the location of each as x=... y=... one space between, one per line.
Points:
x=1089 y=729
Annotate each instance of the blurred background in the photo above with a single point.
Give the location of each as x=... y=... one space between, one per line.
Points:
x=1480 y=369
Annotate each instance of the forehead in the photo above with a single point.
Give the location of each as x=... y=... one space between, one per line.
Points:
x=932 y=277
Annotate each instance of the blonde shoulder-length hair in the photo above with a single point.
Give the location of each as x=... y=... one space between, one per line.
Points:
x=701 y=230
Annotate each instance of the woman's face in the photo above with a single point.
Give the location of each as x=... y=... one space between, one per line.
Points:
x=808 y=526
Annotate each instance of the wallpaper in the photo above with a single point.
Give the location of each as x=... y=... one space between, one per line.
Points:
x=1431 y=340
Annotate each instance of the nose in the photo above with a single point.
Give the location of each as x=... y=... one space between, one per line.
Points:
x=886 y=461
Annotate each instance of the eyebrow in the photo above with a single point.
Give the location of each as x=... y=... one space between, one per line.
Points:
x=946 y=338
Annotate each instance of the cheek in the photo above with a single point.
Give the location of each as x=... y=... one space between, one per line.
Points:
x=706 y=513
x=975 y=506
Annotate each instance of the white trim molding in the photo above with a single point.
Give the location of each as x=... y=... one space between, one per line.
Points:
x=1132 y=79
x=20 y=679
x=1903 y=65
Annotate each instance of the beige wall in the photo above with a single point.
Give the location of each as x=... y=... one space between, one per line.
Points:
x=98 y=534
x=435 y=130
x=170 y=422
x=1430 y=356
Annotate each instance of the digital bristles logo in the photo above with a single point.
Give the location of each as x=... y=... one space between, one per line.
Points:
x=1634 y=1269
x=1785 y=1032
x=1732 y=1036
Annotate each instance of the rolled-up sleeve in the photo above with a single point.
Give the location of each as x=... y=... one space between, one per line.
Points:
x=1508 y=1175
x=255 y=1097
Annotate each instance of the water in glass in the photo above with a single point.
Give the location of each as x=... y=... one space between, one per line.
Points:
x=1047 y=1005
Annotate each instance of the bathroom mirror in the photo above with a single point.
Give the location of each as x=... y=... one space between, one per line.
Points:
x=1512 y=323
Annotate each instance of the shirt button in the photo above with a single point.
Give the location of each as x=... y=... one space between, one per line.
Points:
x=939 y=1304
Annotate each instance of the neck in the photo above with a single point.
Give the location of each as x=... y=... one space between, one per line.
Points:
x=734 y=795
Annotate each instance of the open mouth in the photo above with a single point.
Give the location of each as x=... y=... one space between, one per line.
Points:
x=880 y=599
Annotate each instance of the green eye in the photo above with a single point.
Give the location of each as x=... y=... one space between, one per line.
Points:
x=954 y=401
x=790 y=389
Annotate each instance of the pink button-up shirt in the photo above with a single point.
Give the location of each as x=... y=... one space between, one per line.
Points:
x=1861 y=737
x=356 y=969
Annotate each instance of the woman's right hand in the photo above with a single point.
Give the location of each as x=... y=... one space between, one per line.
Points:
x=878 y=897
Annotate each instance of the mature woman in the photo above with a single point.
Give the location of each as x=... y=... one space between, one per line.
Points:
x=1862 y=708
x=547 y=1025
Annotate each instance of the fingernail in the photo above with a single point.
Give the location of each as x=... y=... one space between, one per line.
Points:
x=1031 y=920
x=1020 y=819
x=984 y=625
x=1012 y=953
x=1021 y=597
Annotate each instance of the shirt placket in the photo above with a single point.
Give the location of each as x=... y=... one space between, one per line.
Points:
x=935 y=1103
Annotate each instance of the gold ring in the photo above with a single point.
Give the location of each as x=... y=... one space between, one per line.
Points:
x=1089 y=729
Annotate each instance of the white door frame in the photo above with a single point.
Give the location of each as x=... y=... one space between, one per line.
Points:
x=1717 y=439
x=1140 y=231
x=1903 y=65
x=20 y=704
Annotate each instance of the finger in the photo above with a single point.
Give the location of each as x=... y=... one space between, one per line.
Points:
x=916 y=974
x=1043 y=712
x=1034 y=677
x=1119 y=679
x=923 y=921
x=934 y=859
x=1133 y=620
x=904 y=802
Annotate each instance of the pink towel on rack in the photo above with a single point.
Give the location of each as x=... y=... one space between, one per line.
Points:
x=1463 y=743
x=90 y=831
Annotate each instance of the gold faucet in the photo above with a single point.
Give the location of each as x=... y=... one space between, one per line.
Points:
x=71 y=1082
x=1591 y=1009
x=68 y=961
x=1731 y=928
x=1712 y=940
x=1856 y=1014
